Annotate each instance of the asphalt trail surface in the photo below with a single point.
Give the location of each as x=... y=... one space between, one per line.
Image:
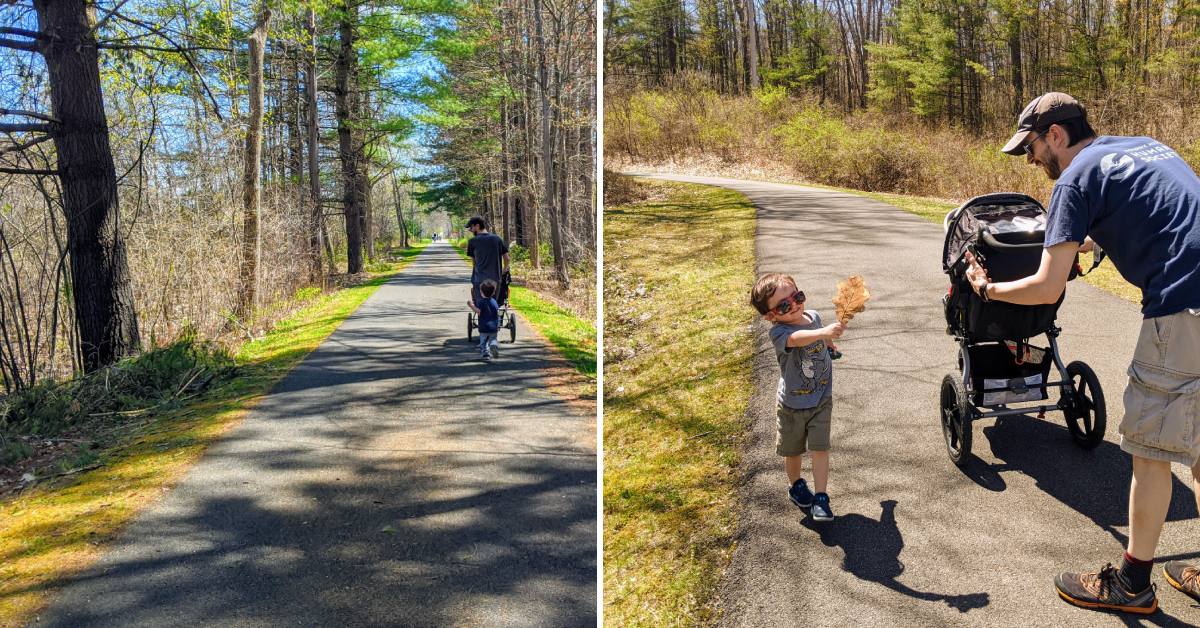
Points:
x=391 y=479
x=916 y=540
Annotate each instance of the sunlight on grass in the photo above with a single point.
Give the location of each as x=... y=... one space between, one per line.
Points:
x=574 y=337
x=678 y=346
x=50 y=531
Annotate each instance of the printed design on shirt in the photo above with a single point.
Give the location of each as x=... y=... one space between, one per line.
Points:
x=1117 y=168
x=813 y=364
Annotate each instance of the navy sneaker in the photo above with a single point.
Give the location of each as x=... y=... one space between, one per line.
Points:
x=820 y=508
x=800 y=494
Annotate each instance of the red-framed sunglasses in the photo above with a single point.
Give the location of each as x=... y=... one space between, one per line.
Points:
x=785 y=306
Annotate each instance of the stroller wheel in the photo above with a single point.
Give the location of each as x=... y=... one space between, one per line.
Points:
x=957 y=413
x=1083 y=406
x=512 y=327
x=470 y=326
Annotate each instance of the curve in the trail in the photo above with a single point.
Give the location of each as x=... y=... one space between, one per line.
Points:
x=391 y=479
x=918 y=541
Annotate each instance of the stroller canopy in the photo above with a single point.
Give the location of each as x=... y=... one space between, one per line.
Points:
x=1010 y=216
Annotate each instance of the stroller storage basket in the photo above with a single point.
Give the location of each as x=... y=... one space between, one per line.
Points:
x=993 y=367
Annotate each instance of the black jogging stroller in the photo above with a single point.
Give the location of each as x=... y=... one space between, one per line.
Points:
x=997 y=364
x=508 y=319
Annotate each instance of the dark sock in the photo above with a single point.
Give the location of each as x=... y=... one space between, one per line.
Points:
x=1135 y=573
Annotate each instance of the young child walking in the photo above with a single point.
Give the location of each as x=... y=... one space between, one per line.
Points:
x=488 y=311
x=803 y=346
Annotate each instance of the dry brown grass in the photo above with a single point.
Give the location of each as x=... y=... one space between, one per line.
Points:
x=769 y=136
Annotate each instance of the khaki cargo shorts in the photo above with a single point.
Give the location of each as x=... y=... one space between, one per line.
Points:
x=803 y=430
x=1162 y=400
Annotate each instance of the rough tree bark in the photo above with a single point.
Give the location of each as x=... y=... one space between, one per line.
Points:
x=104 y=307
x=315 y=218
x=399 y=212
x=251 y=246
x=560 y=261
x=347 y=107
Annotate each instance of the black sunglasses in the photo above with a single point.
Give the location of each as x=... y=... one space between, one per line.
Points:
x=785 y=306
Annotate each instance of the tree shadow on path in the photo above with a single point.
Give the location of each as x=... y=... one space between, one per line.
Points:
x=872 y=553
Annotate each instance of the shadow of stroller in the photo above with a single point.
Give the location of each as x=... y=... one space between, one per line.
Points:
x=1093 y=483
x=872 y=552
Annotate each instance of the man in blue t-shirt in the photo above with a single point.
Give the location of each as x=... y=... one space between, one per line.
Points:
x=1140 y=201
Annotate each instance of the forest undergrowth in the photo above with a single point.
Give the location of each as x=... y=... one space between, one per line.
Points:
x=769 y=135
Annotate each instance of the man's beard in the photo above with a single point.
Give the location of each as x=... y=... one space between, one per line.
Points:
x=1052 y=168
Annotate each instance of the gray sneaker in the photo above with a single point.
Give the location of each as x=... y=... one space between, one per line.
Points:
x=495 y=349
x=820 y=508
x=1183 y=576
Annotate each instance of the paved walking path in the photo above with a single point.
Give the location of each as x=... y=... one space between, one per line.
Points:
x=391 y=479
x=917 y=541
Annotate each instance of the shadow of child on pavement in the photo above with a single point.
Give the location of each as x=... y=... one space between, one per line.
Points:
x=872 y=550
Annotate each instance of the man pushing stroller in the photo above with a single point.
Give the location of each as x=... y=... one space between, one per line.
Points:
x=1140 y=201
x=488 y=253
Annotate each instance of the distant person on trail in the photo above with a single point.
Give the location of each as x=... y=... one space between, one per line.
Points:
x=489 y=253
x=805 y=407
x=488 y=311
x=1141 y=202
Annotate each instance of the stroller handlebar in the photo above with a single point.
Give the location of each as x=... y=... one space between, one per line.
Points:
x=991 y=241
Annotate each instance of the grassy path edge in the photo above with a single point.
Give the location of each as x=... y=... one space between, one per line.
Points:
x=53 y=531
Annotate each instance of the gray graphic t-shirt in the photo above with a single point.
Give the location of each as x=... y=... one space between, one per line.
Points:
x=805 y=373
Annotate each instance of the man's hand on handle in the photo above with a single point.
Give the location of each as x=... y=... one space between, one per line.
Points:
x=976 y=274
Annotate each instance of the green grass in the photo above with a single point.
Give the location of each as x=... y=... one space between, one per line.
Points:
x=678 y=346
x=53 y=530
x=573 y=336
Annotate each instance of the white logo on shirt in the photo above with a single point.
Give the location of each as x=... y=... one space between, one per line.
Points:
x=1117 y=168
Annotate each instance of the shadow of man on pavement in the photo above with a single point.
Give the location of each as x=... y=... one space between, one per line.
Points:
x=872 y=552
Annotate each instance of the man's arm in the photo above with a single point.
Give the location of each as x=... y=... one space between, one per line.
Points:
x=1044 y=286
x=506 y=264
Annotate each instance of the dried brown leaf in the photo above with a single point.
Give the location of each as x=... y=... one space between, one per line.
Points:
x=852 y=297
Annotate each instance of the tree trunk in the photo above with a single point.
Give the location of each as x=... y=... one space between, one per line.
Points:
x=530 y=171
x=251 y=247
x=347 y=107
x=103 y=295
x=560 y=261
x=399 y=212
x=751 y=33
x=1014 y=52
x=316 y=217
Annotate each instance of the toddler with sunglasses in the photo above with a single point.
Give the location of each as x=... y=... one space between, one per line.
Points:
x=802 y=345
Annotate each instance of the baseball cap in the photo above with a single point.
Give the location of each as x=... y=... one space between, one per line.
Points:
x=1040 y=113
